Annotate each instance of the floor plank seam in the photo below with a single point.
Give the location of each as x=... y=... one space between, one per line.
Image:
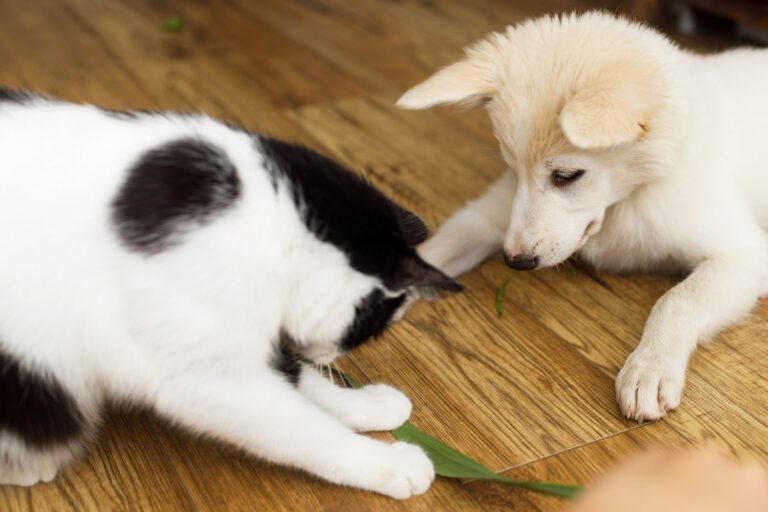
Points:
x=572 y=448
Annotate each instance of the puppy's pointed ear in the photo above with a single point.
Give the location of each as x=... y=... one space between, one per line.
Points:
x=614 y=109
x=468 y=83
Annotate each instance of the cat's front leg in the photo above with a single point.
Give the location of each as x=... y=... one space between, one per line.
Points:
x=369 y=408
x=270 y=418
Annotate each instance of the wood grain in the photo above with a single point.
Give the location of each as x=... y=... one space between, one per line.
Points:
x=530 y=394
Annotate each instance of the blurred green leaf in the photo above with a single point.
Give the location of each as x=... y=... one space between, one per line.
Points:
x=500 y=296
x=173 y=24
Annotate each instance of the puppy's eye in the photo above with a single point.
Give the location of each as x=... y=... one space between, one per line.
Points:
x=561 y=178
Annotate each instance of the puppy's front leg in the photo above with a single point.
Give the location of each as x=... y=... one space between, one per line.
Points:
x=718 y=292
x=474 y=232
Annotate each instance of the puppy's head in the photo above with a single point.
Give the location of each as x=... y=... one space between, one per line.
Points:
x=577 y=105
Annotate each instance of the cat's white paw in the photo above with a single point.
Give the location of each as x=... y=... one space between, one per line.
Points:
x=380 y=407
x=649 y=386
x=403 y=471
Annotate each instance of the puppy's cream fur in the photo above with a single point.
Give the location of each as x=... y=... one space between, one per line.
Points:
x=675 y=152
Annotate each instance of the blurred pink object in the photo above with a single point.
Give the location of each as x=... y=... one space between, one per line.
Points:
x=671 y=480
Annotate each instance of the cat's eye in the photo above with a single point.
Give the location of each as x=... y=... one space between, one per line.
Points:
x=561 y=177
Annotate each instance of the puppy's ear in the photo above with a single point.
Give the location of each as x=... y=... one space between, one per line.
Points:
x=614 y=109
x=468 y=83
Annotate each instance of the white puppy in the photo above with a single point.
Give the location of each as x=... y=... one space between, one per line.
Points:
x=631 y=152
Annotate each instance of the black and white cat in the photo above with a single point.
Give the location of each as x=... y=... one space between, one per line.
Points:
x=176 y=262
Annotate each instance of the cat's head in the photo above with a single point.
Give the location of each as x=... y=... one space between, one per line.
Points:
x=359 y=262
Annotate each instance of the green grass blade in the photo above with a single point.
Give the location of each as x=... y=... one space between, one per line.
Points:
x=451 y=463
x=500 y=296
x=173 y=24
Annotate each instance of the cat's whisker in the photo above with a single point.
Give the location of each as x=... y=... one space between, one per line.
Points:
x=341 y=378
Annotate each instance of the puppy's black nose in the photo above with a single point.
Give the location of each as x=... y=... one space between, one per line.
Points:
x=522 y=262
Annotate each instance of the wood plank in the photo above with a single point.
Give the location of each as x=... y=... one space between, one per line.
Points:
x=62 y=58
x=236 y=57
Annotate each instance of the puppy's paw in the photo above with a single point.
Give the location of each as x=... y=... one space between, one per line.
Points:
x=402 y=472
x=648 y=387
x=380 y=407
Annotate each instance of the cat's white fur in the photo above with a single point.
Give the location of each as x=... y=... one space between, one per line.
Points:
x=188 y=331
x=675 y=148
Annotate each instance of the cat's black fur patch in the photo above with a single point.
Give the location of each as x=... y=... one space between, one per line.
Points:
x=286 y=360
x=35 y=407
x=343 y=209
x=14 y=95
x=184 y=182
x=372 y=315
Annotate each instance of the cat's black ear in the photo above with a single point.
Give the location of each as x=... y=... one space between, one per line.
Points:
x=422 y=277
x=413 y=229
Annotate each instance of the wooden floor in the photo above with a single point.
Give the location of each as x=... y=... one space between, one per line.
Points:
x=530 y=395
